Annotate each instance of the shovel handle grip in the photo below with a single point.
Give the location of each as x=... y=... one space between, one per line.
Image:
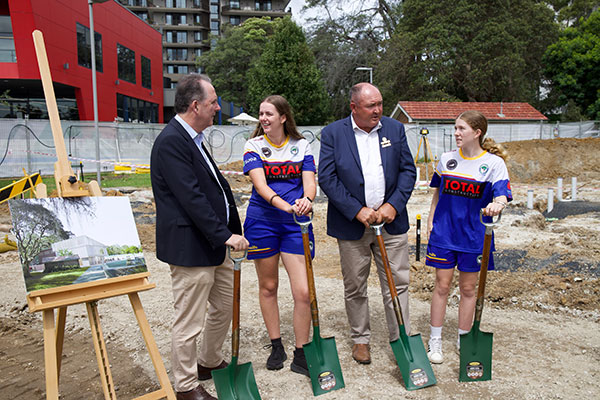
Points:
x=489 y=226
x=388 y=273
x=304 y=225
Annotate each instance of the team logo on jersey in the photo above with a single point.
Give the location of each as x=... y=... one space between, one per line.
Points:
x=483 y=169
x=266 y=151
x=463 y=187
x=294 y=150
x=283 y=170
x=451 y=164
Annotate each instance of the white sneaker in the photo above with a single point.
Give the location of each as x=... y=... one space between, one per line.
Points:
x=434 y=350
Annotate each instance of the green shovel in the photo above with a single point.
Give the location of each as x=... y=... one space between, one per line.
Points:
x=236 y=381
x=321 y=354
x=476 y=346
x=409 y=350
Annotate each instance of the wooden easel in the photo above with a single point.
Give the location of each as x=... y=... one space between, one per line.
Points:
x=426 y=152
x=46 y=300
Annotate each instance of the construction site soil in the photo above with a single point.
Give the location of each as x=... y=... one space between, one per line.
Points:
x=542 y=302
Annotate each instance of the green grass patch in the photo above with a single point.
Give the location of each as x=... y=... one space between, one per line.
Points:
x=109 y=180
x=53 y=279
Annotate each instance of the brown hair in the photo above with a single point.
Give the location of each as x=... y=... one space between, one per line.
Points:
x=477 y=120
x=189 y=88
x=283 y=108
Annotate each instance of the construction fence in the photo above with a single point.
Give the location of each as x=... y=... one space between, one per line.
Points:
x=29 y=144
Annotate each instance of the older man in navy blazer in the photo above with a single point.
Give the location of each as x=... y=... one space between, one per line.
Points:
x=368 y=174
x=196 y=218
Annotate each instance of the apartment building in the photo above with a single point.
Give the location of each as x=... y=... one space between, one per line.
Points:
x=188 y=25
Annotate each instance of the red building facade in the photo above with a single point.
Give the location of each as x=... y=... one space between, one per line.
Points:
x=128 y=58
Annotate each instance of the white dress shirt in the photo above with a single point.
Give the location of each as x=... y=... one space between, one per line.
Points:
x=198 y=138
x=370 y=161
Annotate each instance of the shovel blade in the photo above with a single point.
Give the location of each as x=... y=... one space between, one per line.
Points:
x=413 y=362
x=236 y=382
x=323 y=365
x=476 y=355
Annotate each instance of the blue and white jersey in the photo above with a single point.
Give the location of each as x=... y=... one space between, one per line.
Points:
x=283 y=166
x=466 y=185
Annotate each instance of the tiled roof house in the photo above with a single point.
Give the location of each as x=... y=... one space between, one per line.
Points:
x=445 y=112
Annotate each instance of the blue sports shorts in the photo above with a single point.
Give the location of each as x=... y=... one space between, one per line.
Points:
x=438 y=257
x=268 y=238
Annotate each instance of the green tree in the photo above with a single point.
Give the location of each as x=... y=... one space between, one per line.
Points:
x=571 y=12
x=469 y=51
x=287 y=67
x=236 y=50
x=35 y=228
x=573 y=66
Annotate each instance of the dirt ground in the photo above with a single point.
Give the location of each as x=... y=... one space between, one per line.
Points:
x=542 y=304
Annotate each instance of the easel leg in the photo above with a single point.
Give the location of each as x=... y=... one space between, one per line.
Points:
x=61 y=319
x=50 y=357
x=159 y=367
x=101 y=355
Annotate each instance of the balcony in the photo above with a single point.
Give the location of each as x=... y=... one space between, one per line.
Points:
x=251 y=11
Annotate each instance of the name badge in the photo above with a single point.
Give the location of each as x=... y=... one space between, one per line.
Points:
x=385 y=142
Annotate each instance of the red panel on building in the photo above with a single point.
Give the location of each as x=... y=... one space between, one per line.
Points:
x=58 y=20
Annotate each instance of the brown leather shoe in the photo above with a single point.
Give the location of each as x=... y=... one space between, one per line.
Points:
x=204 y=372
x=199 y=393
x=360 y=352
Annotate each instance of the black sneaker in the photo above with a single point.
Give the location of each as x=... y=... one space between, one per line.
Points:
x=277 y=357
x=299 y=364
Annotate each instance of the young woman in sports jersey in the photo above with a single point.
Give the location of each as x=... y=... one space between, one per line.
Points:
x=467 y=179
x=280 y=164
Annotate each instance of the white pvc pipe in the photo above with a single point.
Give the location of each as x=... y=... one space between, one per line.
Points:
x=530 y=199
x=550 y=200
x=559 y=189
x=418 y=176
x=573 y=188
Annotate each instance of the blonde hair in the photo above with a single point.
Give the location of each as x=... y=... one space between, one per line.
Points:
x=477 y=120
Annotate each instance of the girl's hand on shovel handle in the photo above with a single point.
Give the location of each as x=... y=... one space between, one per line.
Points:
x=495 y=207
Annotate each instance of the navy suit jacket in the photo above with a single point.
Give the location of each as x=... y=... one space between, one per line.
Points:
x=191 y=215
x=341 y=177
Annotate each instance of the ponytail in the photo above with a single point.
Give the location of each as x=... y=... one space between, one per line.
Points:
x=491 y=146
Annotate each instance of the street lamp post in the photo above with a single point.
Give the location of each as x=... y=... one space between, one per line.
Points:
x=94 y=91
x=370 y=72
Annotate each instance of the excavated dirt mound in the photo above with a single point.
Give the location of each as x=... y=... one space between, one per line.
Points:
x=542 y=302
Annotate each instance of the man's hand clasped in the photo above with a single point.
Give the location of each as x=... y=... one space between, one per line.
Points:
x=237 y=242
x=367 y=216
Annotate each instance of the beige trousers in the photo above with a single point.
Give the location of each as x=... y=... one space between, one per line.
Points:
x=203 y=305
x=355 y=258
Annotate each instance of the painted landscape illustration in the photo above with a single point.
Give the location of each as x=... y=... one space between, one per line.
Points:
x=64 y=241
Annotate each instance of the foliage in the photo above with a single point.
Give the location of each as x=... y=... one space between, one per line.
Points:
x=287 y=67
x=237 y=49
x=572 y=12
x=573 y=66
x=117 y=249
x=35 y=229
x=469 y=51
x=64 y=252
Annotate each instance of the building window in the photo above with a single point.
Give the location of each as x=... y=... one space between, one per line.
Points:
x=263 y=5
x=214 y=26
x=198 y=52
x=84 y=56
x=176 y=37
x=176 y=3
x=176 y=19
x=197 y=19
x=138 y=3
x=234 y=20
x=146 y=73
x=197 y=3
x=143 y=15
x=177 y=54
x=234 y=5
x=131 y=109
x=126 y=63
x=177 y=69
x=7 y=42
x=198 y=36
x=214 y=9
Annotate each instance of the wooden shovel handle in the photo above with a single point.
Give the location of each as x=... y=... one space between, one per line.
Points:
x=388 y=272
x=485 y=259
x=314 y=308
x=235 y=322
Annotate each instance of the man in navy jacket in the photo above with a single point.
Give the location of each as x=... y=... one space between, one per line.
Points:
x=367 y=172
x=196 y=218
